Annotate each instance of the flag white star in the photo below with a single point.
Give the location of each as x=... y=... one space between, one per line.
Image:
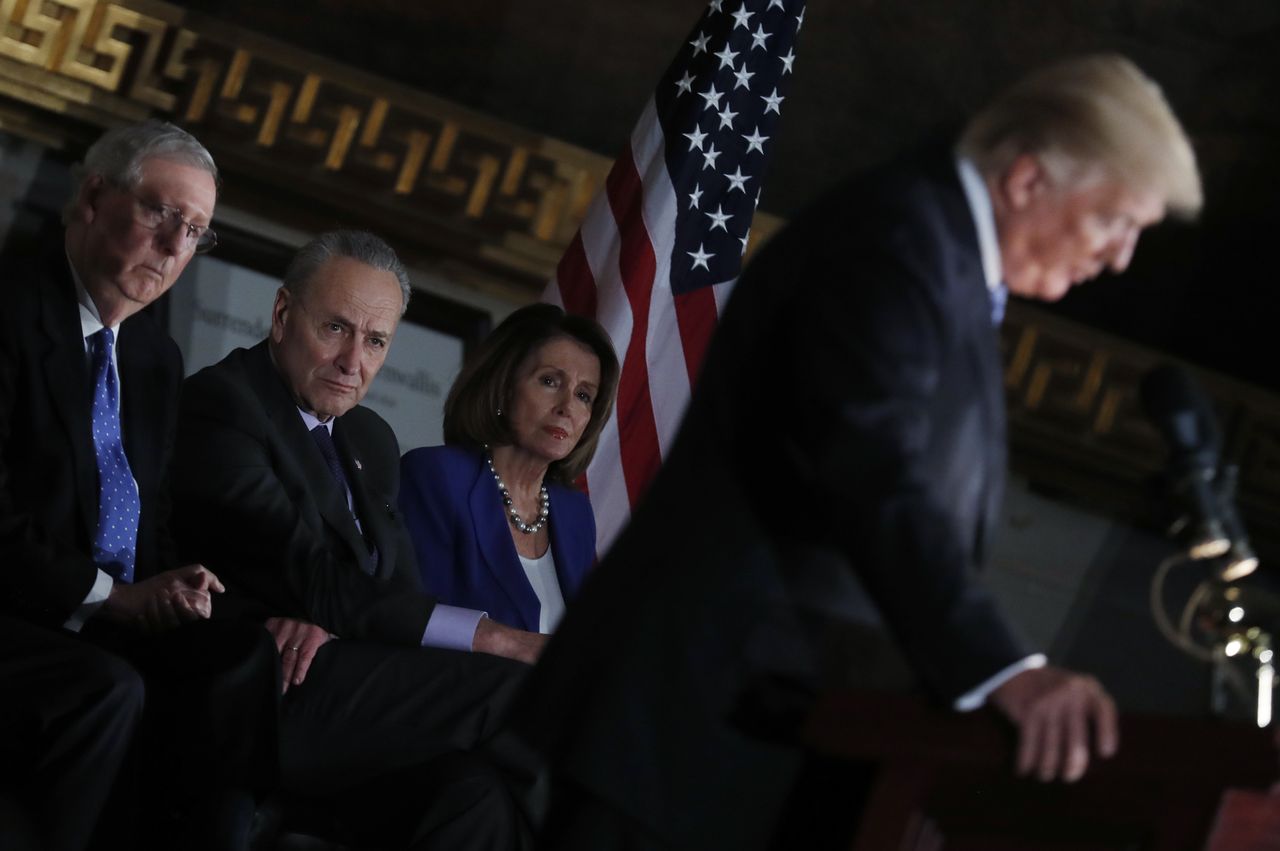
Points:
x=773 y=3
x=799 y=20
x=755 y=142
x=759 y=37
x=695 y=197
x=726 y=117
x=741 y=17
x=787 y=60
x=699 y=44
x=709 y=157
x=700 y=257
x=719 y=218
x=685 y=83
x=771 y=102
x=744 y=239
x=744 y=77
x=726 y=57
x=737 y=180
x=695 y=138
x=711 y=98
x=715 y=6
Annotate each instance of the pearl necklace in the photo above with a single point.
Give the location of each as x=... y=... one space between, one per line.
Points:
x=544 y=503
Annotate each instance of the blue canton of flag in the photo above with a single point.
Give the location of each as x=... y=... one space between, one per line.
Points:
x=719 y=106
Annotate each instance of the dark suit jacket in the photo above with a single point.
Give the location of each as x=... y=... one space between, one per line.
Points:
x=255 y=502
x=851 y=403
x=48 y=475
x=459 y=530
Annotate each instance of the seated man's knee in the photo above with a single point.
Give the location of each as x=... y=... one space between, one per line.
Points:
x=109 y=686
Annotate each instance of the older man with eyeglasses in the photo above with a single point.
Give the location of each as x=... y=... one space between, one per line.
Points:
x=95 y=615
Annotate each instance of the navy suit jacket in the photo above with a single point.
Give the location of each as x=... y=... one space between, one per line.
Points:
x=460 y=533
x=48 y=474
x=256 y=503
x=850 y=407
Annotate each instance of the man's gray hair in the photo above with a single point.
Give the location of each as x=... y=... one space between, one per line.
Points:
x=1087 y=117
x=358 y=245
x=118 y=155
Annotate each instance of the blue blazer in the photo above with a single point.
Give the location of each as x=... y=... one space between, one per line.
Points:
x=459 y=529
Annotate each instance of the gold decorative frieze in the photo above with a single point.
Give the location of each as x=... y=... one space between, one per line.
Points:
x=434 y=172
x=315 y=127
x=1077 y=424
x=1075 y=388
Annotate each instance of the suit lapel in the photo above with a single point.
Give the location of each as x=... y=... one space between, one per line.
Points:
x=376 y=514
x=66 y=374
x=560 y=532
x=982 y=341
x=493 y=538
x=138 y=420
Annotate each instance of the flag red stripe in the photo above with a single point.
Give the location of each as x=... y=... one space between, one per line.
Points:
x=577 y=284
x=696 y=318
x=638 y=433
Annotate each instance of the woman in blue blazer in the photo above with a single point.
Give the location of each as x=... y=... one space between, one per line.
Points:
x=496 y=522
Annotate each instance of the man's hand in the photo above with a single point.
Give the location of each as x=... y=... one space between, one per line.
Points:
x=500 y=640
x=297 y=642
x=1054 y=710
x=164 y=601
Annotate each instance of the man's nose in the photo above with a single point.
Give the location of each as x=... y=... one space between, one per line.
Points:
x=348 y=360
x=172 y=241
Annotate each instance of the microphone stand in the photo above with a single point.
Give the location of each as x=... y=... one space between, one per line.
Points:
x=1218 y=625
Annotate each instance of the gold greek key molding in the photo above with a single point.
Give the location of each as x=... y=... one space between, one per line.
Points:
x=1077 y=424
x=433 y=172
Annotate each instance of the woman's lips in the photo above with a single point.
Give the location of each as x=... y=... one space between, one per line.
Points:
x=556 y=432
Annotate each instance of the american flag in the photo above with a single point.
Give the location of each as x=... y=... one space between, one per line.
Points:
x=663 y=241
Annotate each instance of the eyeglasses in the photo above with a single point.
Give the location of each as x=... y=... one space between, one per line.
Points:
x=167 y=219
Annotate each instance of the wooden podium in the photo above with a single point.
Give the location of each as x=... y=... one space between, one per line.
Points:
x=945 y=782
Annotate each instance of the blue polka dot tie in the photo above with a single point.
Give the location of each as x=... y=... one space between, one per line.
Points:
x=115 y=543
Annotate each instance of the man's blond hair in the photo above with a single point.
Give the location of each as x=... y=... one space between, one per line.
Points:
x=1086 y=118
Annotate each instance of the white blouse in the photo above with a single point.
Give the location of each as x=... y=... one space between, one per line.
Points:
x=542 y=576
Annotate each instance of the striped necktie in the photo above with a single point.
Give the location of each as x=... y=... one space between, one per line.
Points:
x=329 y=450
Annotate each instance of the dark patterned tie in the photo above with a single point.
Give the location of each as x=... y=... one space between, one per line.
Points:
x=116 y=539
x=329 y=450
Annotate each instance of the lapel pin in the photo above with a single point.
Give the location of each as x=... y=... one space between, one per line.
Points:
x=359 y=466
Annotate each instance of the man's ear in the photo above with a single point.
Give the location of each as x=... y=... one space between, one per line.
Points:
x=278 y=313
x=89 y=198
x=1022 y=182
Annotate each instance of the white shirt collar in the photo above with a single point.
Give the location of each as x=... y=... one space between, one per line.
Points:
x=90 y=319
x=984 y=219
x=312 y=421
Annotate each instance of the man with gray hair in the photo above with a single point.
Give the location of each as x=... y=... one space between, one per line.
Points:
x=287 y=486
x=95 y=611
x=850 y=411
